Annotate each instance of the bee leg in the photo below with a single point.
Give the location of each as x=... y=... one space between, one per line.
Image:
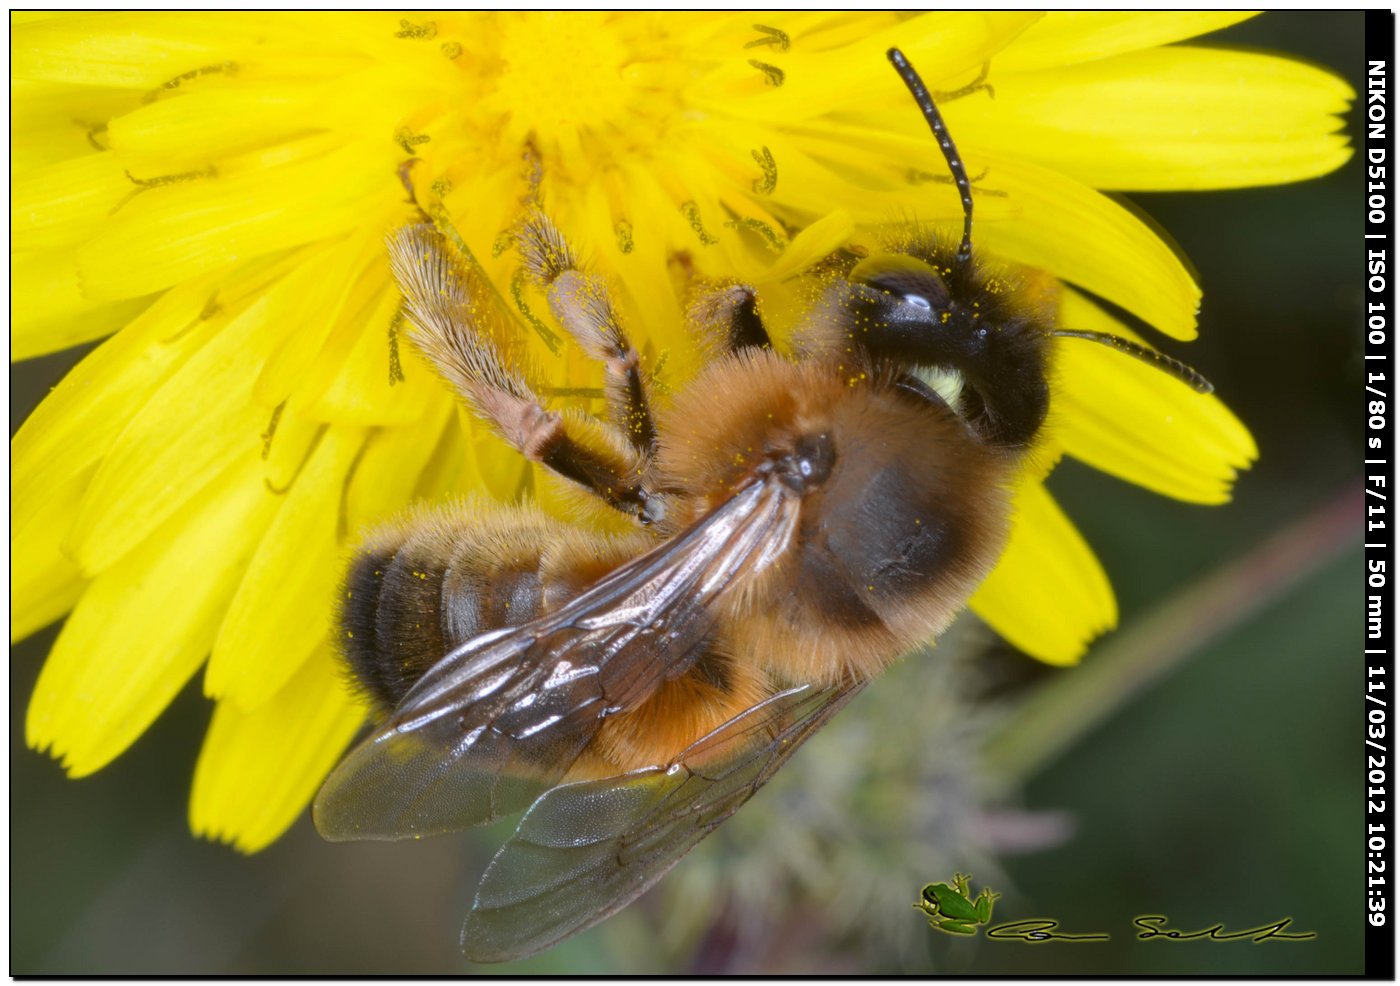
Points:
x=572 y=445
x=580 y=302
x=454 y=324
x=727 y=319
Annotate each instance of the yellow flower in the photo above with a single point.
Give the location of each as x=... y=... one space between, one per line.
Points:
x=213 y=191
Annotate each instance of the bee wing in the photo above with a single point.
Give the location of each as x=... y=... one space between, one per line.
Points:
x=502 y=718
x=585 y=850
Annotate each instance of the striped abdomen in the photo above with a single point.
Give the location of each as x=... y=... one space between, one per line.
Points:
x=420 y=588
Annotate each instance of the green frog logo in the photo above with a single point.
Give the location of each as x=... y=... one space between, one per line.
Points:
x=954 y=909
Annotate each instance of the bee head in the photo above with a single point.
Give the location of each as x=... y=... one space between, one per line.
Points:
x=924 y=309
x=931 y=304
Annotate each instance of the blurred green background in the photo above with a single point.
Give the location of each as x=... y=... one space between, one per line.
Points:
x=1229 y=790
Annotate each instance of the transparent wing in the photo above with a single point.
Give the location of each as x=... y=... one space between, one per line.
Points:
x=585 y=850
x=502 y=718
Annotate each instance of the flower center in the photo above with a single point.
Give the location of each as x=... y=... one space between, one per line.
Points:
x=563 y=77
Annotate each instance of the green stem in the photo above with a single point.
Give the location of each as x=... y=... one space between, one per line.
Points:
x=1073 y=704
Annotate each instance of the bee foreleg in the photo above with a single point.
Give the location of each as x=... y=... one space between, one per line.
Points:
x=581 y=303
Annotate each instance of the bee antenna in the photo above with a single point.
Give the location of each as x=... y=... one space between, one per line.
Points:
x=945 y=143
x=1162 y=361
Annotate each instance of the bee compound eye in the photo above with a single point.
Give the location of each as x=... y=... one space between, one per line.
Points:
x=907 y=278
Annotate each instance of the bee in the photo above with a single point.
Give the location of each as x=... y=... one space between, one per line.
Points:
x=797 y=525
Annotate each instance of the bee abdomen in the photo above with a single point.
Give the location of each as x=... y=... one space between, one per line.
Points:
x=418 y=590
x=390 y=623
x=357 y=623
x=413 y=596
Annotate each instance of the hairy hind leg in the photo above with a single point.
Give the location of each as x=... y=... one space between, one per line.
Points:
x=460 y=326
x=583 y=306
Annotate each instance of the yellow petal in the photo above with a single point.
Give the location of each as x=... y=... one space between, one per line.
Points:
x=490 y=464
x=1067 y=37
x=349 y=482
x=198 y=422
x=215 y=120
x=1081 y=236
x=30 y=16
x=144 y=626
x=1024 y=213
x=717 y=37
x=394 y=466
x=643 y=270
x=77 y=423
x=895 y=167
x=445 y=449
x=312 y=298
x=258 y=770
x=51 y=123
x=44 y=582
x=186 y=134
x=1172 y=119
x=1048 y=596
x=362 y=375
x=173 y=231
x=62 y=314
x=140 y=50
x=288 y=442
x=942 y=45
x=815 y=242
x=282 y=609
x=649 y=305
x=59 y=204
x=1129 y=419
x=110 y=50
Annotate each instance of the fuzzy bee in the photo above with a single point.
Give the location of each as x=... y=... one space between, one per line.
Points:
x=799 y=523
